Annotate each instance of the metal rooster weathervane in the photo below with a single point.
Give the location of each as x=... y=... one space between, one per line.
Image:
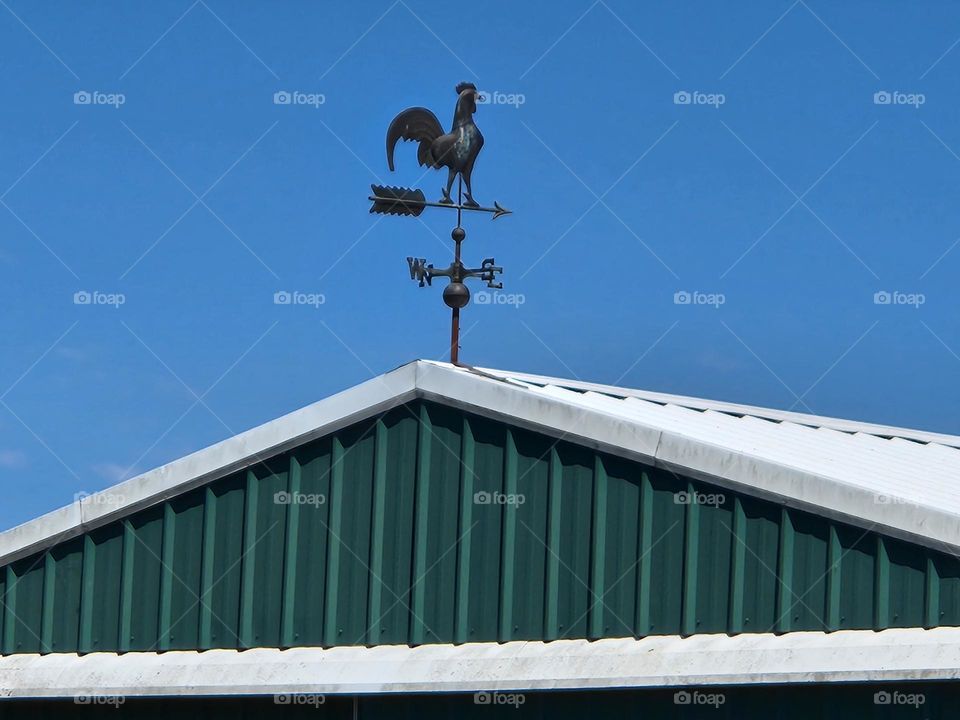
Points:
x=457 y=151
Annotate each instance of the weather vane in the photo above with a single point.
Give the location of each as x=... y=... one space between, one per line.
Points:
x=457 y=151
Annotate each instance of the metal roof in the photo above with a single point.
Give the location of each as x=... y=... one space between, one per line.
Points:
x=739 y=410
x=665 y=661
x=898 y=481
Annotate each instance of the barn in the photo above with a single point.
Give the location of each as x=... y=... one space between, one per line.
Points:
x=450 y=542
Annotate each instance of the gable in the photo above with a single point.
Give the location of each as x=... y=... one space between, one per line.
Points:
x=430 y=524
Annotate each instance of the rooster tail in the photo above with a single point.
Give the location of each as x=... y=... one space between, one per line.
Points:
x=417 y=124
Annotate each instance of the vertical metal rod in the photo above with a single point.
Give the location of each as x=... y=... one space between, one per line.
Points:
x=455 y=337
x=455 y=316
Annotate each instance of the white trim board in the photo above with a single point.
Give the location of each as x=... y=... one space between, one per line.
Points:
x=885 y=481
x=697 y=661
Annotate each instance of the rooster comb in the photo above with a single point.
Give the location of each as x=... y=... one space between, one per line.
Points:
x=465 y=86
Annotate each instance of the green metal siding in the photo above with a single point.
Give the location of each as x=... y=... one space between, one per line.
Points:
x=222 y=557
x=140 y=598
x=857 y=571
x=263 y=563
x=431 y=525
x=944 y=582
x=806 y=603
x=348 y=571
x=436 y=526
x=754 y=576
x=24 y=606
x=662 y=555
x=306 y=563
x=393 y=520
x=615 y=541
x=568 y=544
x=61 y=597
x=525 y=527
x=100 y=592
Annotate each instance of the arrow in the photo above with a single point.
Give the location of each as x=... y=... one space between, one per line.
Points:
x=408 y=201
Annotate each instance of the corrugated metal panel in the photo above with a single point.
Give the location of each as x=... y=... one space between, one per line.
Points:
x=393 y=513
x=305 y=573
x=568 y=542
x=140 y=599
x=482 y=504
x=223 y=553
x=181 y=572
x=61 y=598
x=100 y=592
x=430 y=525
x=436 y=525
x=754 y=573
x=264 y=563
x=857 y=602
x=616 y=537
x=523 y=606
x=24 y=606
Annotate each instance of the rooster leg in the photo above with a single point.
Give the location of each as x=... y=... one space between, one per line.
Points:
x=470 y=202
x=446 y=200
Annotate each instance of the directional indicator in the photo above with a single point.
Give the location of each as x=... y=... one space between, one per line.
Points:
x=419 y=270
x=456 y=151
x=456 y=271
x=409 y=201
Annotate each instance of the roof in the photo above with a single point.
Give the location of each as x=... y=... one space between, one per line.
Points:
x=665 y=661
x=898 y=481
x=815 y=421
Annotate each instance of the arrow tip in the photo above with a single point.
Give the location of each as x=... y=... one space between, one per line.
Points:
x=498 y=210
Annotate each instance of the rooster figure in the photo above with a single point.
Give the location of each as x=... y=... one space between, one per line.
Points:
x=456 y=150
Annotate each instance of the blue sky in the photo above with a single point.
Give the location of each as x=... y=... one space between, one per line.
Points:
x=785 y=238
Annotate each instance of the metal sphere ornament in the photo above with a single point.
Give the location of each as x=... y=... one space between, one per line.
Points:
x=456 y=295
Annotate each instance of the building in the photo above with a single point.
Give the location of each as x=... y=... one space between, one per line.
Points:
x=445 y=541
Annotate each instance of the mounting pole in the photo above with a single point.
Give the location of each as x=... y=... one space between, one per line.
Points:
x=455 y=313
